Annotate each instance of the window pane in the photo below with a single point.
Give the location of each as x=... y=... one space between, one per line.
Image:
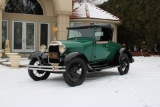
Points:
x=88 y=32
x=30 y=36
x=44 y=34
x=18 y=35
x=24 y=6
x=4 y=33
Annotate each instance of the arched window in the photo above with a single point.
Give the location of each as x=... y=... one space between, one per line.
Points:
x=24 y=7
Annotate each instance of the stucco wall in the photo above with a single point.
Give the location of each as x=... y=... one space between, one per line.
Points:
x=48 y=7
x=62 y=5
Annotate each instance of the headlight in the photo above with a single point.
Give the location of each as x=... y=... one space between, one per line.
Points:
x=43 y=48
x=62 y=49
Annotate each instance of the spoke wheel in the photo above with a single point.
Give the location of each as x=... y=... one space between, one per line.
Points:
x=76 y=72
x=35 y=74
x=124 y=64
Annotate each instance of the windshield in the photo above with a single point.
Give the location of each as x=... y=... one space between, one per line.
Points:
x=86 y=32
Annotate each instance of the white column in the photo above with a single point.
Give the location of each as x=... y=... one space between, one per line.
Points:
x=114 y=39
x=62 y=24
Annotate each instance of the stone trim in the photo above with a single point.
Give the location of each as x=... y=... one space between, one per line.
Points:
x=2 y=4
x=63 y=13
x=96 y=20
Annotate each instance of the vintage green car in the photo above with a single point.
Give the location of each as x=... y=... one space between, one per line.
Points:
x=87 y=49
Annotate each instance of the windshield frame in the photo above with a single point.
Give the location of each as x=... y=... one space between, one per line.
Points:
x=90 y=32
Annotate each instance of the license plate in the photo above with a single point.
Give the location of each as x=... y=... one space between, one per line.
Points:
x=54 y=55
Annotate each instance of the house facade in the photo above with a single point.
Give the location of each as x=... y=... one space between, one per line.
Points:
x=28 y=24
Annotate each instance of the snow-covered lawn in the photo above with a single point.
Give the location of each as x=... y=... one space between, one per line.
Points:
x=139 y=88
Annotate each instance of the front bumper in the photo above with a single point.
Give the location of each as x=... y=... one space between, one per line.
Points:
x=54 y=69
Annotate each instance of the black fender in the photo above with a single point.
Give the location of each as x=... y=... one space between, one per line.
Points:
x=123 y=50
x=73 y=55
x=40 y=56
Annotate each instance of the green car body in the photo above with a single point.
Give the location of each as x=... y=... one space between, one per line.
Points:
x=93 y=51
x=87 y=48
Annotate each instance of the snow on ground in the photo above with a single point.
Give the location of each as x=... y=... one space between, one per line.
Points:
x=139 y=88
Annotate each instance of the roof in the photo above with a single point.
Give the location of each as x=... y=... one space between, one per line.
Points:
x=92 y=26
x=88 y=10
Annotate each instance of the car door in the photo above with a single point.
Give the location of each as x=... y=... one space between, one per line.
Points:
x=101 y=51
x=104 y=49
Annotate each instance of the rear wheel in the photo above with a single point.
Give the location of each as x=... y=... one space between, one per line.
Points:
x=76 y=71
x=124 y=64
x=35 y=74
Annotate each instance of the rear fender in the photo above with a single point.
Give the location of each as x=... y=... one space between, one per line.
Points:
x=123 y=50
x=39 y=56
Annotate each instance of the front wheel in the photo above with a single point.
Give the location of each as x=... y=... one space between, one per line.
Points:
x=124 y=64
x=35 y=74
x=76 y=71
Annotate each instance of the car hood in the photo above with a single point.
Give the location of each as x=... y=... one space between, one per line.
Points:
x=72 y=44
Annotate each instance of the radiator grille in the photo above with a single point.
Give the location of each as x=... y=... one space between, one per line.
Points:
x=54 y=54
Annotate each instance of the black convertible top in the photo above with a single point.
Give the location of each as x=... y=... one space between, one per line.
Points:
x=92 y=26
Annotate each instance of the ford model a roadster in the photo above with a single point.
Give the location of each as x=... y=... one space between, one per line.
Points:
x=87 y=49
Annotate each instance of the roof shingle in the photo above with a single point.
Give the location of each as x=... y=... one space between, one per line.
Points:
x=87 y=10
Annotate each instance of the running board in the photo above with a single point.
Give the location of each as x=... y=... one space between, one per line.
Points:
x=104 y=67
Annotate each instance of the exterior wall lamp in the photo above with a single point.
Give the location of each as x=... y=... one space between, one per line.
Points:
x=55 y=29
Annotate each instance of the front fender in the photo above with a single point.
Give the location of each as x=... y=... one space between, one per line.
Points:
x=40 y=56
x=73 y=55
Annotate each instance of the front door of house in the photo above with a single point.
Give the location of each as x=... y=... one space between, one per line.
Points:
x=23 y=36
